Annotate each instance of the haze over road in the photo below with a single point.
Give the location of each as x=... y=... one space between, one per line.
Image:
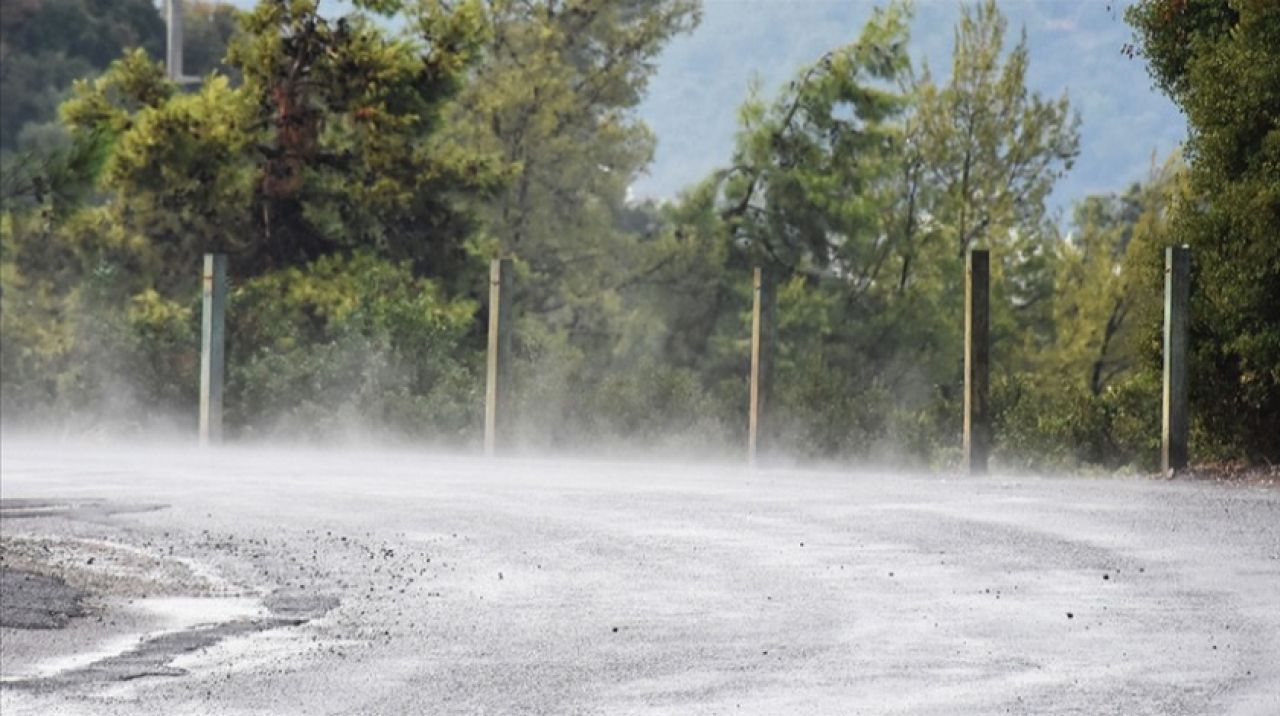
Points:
x=395 y=582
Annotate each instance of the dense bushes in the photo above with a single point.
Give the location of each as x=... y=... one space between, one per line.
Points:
x=355 y=346
x=343 y=345
x=1056 y=424
x=351 y=344
x=84 y=358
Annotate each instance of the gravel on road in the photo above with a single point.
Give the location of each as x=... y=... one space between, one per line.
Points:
x=244 y=581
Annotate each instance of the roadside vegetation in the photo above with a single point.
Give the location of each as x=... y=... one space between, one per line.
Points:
x=360 y=172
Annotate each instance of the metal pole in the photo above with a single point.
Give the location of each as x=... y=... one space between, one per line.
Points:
x=1175 y=423
x=212 y=347
x=977 y=361
x=497 y=404
x=173 y=39
x=763 y=310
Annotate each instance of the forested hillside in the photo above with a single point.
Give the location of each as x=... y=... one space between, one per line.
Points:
x=47 y=44
x=361 y=171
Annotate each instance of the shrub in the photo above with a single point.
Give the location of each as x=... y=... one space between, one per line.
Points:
x=1051 y=424
x=349 y=344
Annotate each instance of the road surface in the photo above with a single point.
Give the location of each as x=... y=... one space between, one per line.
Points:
x=246 y=581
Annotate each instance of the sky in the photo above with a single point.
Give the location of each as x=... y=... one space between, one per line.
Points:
x=1075 y=47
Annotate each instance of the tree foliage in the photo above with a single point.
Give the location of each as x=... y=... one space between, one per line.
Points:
x=553 y=99
x=324 y=145
x=360 y=170
x=859 y=189
x=1218 y=60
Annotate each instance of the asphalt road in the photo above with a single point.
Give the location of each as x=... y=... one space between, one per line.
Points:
x=254 y=581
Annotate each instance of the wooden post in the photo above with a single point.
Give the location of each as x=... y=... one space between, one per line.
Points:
x=1174 y=423
x=763 y=335
x=212 y=346
x=497 y=405
x=977 y=361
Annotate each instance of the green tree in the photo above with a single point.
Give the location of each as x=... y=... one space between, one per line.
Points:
x=554 y=99
x=1089 y=396
x=1218 y=60
x=861 y=187
x=325 y=146
x=1100 y=300
x=813 y=196
x=991 y=151
x=322 y=162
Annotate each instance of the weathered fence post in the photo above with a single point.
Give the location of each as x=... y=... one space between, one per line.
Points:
x=1174 y=423
x=977 y=360
x=763 y=311
x=497 y=405
x=212 y=346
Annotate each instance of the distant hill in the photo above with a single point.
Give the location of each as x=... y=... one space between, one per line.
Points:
x=45 y=45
